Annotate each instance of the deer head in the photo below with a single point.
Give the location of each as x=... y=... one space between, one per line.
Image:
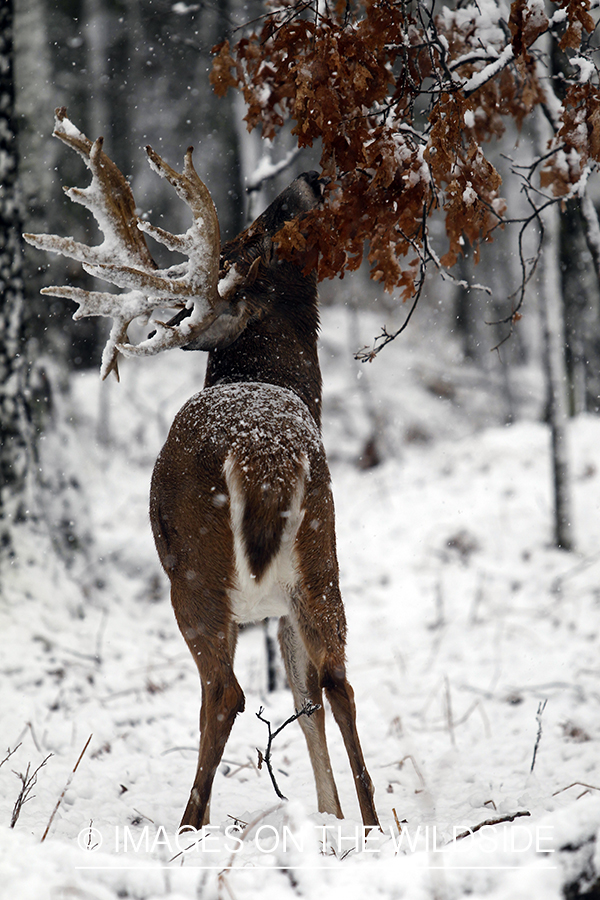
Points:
x=215 y=300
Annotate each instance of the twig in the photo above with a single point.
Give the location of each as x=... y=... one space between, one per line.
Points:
x=238 y=823
x=557 y=584
x=221 y=877
x=10 y=753
x=396 y=820
x=275 y=169
x=385 y=337
x=400 y=763
x=538 y=716
x=29 y=728
x=307 y=710
x=497 y=821
x=143 y=816
x=55 y=645
x=28 y=782
x=64 y=790
x=239 y=767
x=90 y=845
x=583 y=784
x=504 y=59
x=33 y=737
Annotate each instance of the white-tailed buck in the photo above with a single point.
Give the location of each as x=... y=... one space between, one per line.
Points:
x=241 y=505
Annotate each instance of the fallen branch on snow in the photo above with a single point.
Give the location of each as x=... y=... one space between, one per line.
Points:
x=307 y=710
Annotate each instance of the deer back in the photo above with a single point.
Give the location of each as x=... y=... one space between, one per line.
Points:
x=244 y=456
x=275 y=318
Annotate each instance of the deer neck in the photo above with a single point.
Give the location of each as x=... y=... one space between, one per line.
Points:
x=279 y=350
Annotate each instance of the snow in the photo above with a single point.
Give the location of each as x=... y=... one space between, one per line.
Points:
x=536 y=14
x=471 y=84
x=267 y=169
x=487 y=14
x=462 y=620
x=586 y=67
x=469 y=195
x=182 y=9
x=229 y=281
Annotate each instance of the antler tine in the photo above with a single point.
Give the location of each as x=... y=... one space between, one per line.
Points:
x=108 y=197
x=197 y=288
x=113 y=205
x=202 y=241
x=124 y=260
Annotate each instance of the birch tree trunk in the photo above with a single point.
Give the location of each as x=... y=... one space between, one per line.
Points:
x=14 y=419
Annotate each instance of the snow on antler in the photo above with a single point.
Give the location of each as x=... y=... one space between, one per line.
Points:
x=123 y=258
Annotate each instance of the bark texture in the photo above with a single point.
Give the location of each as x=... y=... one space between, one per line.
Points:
x=13 y=364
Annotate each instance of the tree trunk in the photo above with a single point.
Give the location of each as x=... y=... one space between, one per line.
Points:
x=579 y=289
x=14 y=413
x=556 y=376
x=591 y=228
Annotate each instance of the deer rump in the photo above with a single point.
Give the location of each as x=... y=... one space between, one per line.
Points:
x=248 y=508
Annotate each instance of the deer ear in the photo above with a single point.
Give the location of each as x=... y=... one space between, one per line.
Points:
x=231 y=322
x=223 y=331
x=252 y=273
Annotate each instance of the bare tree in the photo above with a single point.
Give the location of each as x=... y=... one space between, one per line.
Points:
x=14 y=413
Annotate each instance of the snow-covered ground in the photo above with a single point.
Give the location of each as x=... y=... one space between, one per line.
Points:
x=463 y=622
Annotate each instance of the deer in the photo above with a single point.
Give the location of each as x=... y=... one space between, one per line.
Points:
x=241 y=505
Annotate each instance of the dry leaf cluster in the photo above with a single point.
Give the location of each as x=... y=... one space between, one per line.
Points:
x=404 y=102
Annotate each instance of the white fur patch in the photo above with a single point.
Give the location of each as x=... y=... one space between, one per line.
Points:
x=253 y=600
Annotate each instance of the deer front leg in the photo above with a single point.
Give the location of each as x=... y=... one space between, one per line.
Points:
x=304 y=683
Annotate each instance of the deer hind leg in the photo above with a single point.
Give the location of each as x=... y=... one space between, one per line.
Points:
x=324 y=639
x=341 y=698
x=222 y=700
x=304 y=682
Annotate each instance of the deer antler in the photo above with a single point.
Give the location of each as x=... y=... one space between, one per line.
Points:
x=123 y=258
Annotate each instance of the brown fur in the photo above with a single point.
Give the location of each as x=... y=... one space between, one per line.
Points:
x=248 y=450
